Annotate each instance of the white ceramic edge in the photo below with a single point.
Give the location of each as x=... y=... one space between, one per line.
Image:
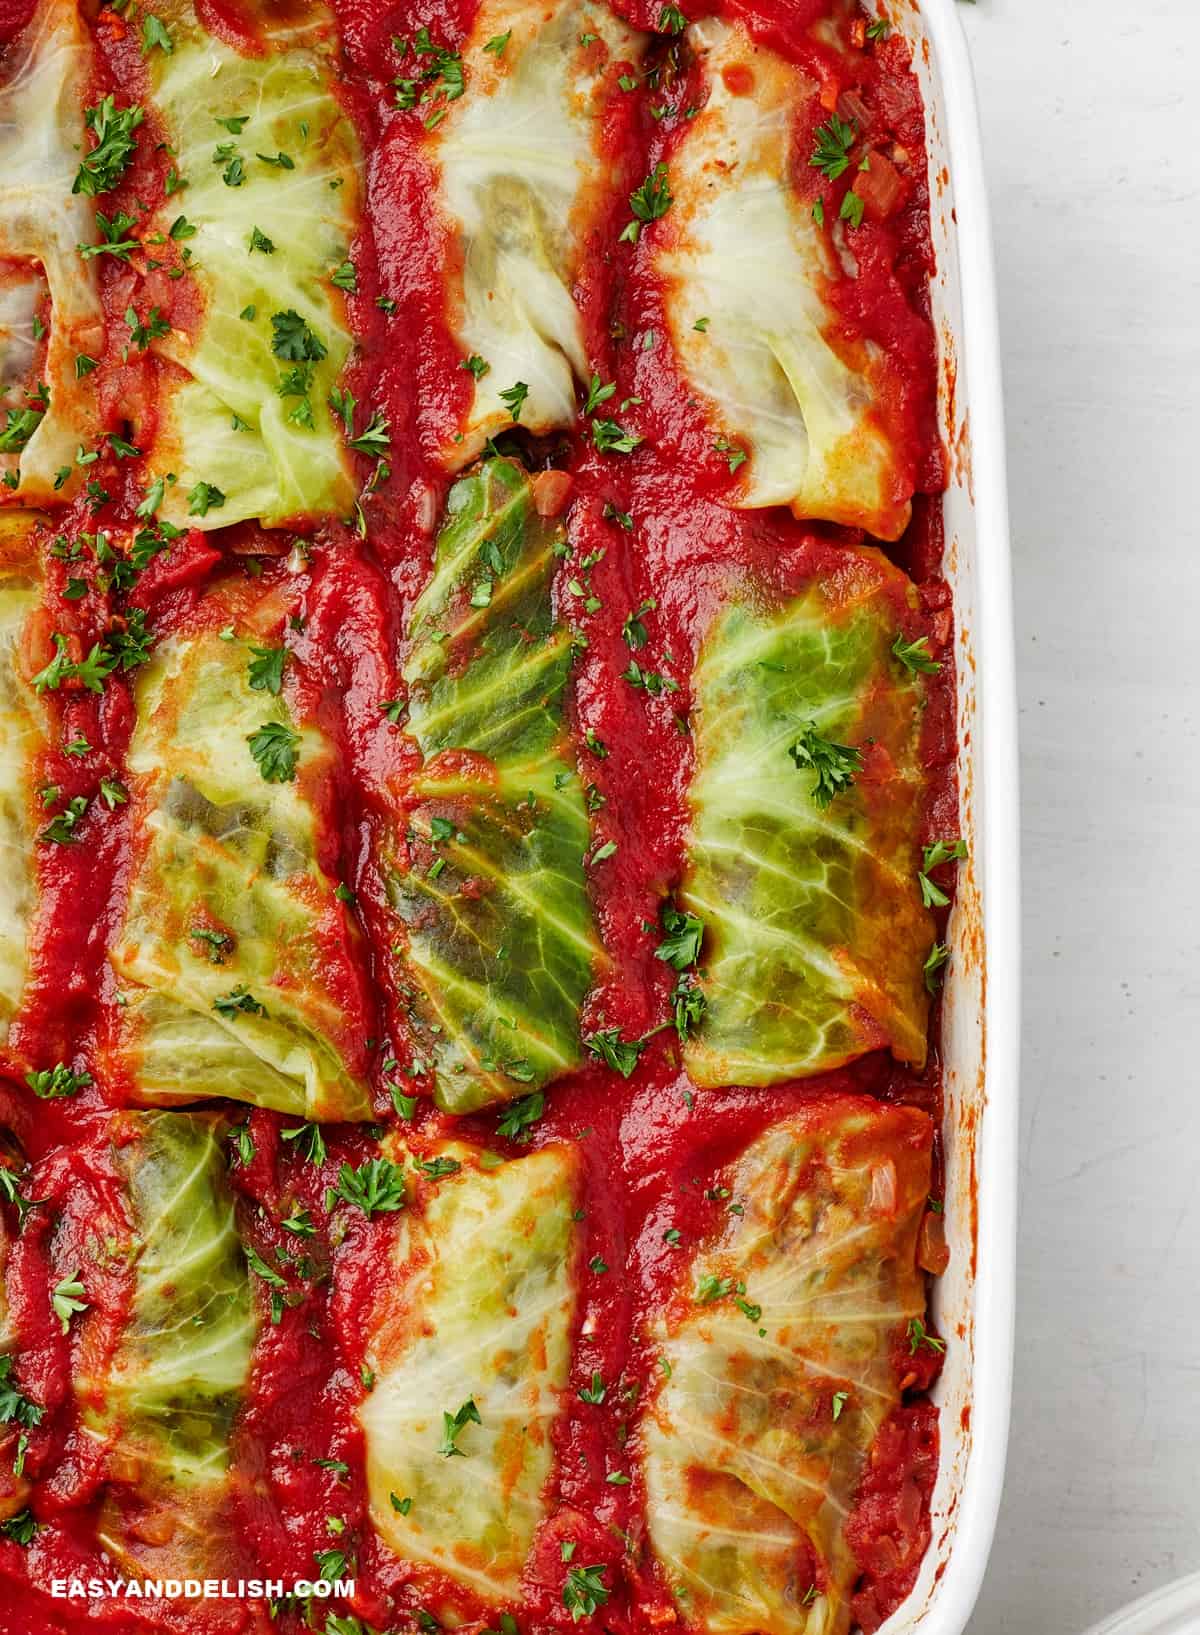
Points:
x=967 y=1498
x=1162 y=1612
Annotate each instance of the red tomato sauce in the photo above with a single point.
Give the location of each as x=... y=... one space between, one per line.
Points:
x=652 y=1146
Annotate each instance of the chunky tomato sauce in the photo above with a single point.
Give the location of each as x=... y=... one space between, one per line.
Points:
x=652 y=1146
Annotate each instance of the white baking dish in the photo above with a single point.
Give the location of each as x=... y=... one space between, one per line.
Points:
x=973 y=1302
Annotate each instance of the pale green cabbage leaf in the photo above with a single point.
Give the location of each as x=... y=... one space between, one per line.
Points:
x=479 y=1310
x=522 y=178
x=754 y=1446
x=167 y=1398
x=42 y=225
x=500 y=939
x=223 y=852
x=22 y=737
x=226 y=423
x=816 y=936
x=739 y=251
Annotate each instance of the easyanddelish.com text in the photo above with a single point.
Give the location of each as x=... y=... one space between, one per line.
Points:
x=197 y=1589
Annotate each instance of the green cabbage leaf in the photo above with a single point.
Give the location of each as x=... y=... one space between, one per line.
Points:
x=816 y=935
x=499 y=931
x=235 y=955
x=745 y=269
x=522 y=179
x=168 y=1396
x=779 y=1351
x=268 y=155
x=479 y=1311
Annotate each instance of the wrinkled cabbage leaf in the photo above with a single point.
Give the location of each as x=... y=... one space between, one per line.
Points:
x=816 y=936
x=741 y=251
x=480 y=1310
x=228 y=896
x=22 y=737
x=756 y=1441
x=521 y=180
x=42 y=223
x=499 y=936
x=167 y=1397
x=226 y=423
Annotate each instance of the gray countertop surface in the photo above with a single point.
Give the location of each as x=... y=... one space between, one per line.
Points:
x=1091 y=121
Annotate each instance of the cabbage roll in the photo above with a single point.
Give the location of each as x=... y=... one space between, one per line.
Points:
x=22 y=739
x=493 y=897
x=522 y=182
x=42 y=225
x=239 y=967
x=777 y=1357
x=470 y=1347
x=164 y=1402
x=745 y=270
x=806 y=808
x=272 y=169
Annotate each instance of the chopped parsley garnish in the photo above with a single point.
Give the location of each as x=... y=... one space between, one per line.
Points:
x=711 y=1287
x=834 y=764
x=880 y=29
x=598 y=394
x=852 y=209
x=15 y=1407
x=840 y=1399
x=453 y=1426
x=671 y=20
x=942 y=851
x=609 y=437
x=915 y=656
x=237 y=1001
x=202 y=499
x=932 y=968
x=60 y=831
x=919 y=1336
x=374 y=438
x=154 y=328
x=584 y=1591
x=620 y=1054
x=680 y=946
x=345 y=276
x=475 y=365
x=376 y=1187
x=281 y=161
x=519 y=1116
x=274 y=747
x=112 y=241
x=309 y=1142
x=266 y=669
x=648 y=202
x=21 y=1527
x=67 y=1299
x=633 y=630
x=514 y=397
x=154 y=33
x=293 y=340
x=595 y=1392
x=52 y=1083
x=101 y=169
x=497 y=43
x=260 y=242
x=831 y=147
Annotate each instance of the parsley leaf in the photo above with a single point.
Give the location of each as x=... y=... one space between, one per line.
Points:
x=915 y=656
x=515 y=397
x=648 y=202
x=680 y=946
x=266 y=669
x=274 y=747
x=831 y=147
x=620 y=1054
x=454 y=1424
x=101 y=169
x=834 y=764
x=293 y=339
x=67 y=1299
x=51 y=1083
x=375 y=1187
x=584 y=1591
